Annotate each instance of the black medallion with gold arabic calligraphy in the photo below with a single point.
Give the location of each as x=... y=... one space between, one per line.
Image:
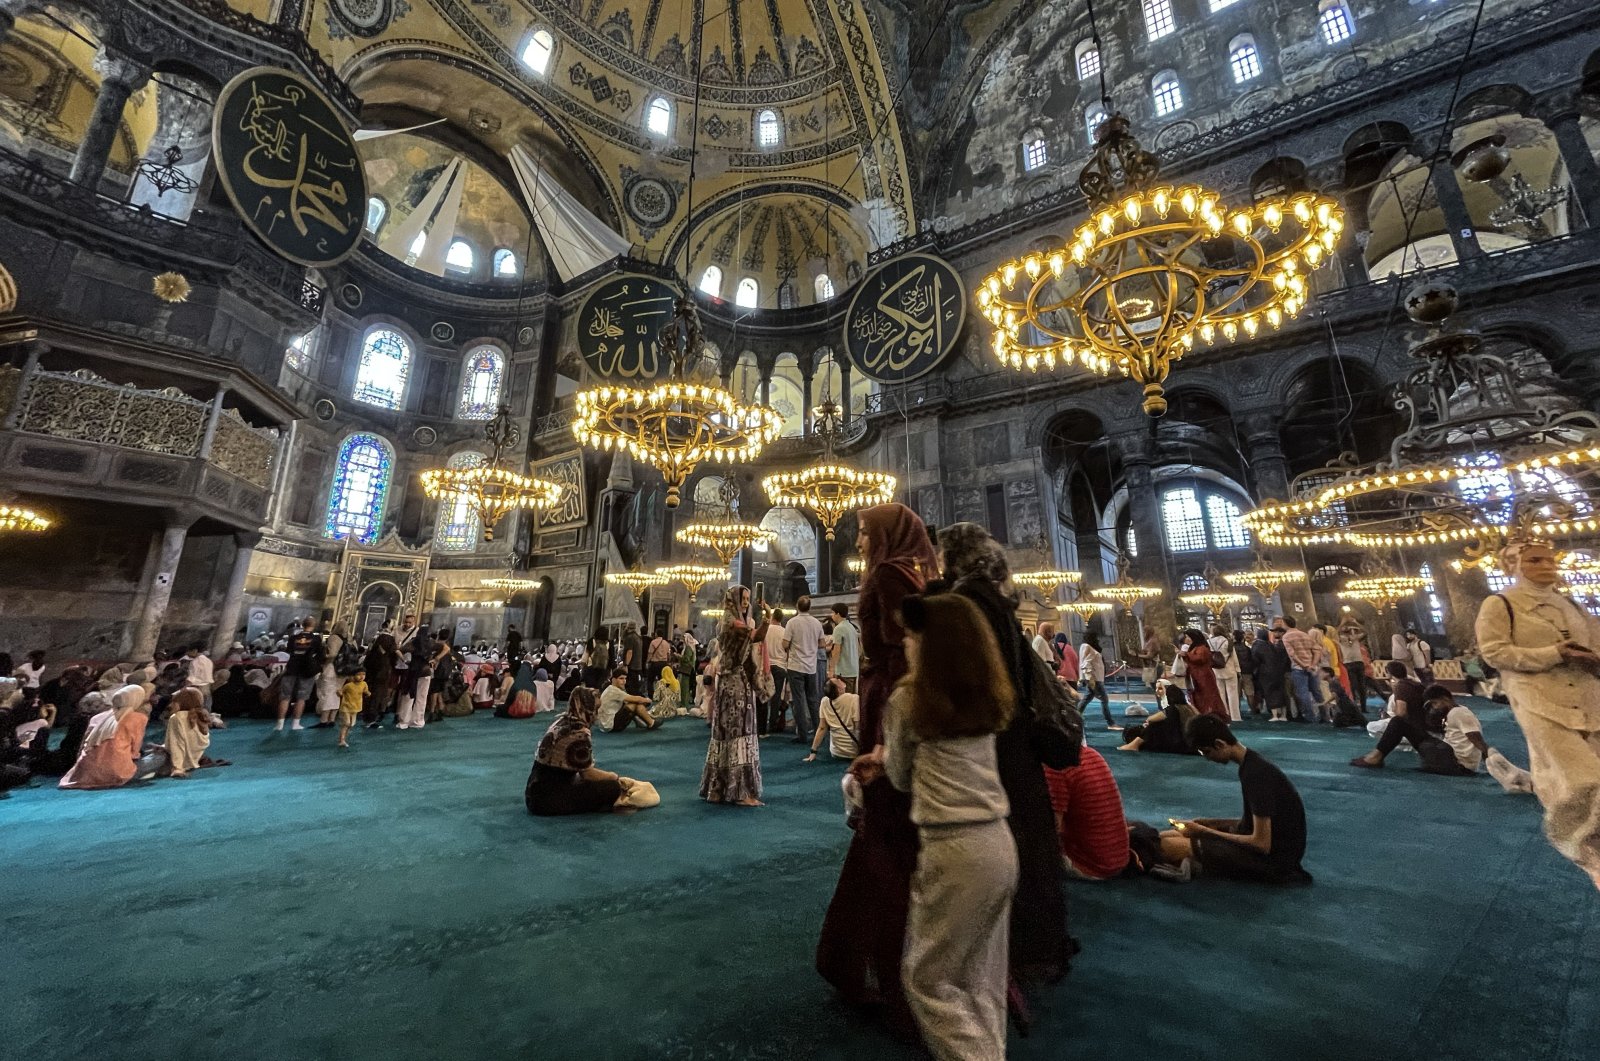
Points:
x=618 y=325
x=290 y=166
x=905 y=318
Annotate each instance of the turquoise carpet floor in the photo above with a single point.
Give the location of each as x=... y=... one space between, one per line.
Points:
x=396 y=901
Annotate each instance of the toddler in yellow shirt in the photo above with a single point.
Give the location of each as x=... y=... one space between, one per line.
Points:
x=351 y=696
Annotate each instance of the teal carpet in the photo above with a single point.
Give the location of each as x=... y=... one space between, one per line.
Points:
x=396 y=901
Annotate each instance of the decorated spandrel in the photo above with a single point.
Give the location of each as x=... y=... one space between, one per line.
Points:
x=289 y=166
x=905 y=318
x=618 y=326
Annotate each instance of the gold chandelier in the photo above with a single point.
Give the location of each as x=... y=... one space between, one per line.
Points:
x=829 y=488
x=721 y=530
x=1264 y=578
x=20 y=518
x=1047 y=581
x=856 y=565
x=636 y=582
x=693 y=576
x=1382 y=591
x=674 y=425
x=490 y=489
x=1156 y=269
x=1125 y=591
x=1085 y=609
x=510 y=585
x=1215 y=601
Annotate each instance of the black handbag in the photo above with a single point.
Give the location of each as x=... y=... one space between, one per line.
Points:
x=1056 y=729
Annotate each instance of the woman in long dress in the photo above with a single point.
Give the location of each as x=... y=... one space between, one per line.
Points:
x=863 y=934
x=110 y=752
x=1203 y=691
x=733 y=758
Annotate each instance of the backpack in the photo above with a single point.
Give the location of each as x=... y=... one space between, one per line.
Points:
x=348 y=660
x=1056 y=729
x=600 y=658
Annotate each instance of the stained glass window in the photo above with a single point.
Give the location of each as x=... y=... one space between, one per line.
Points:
x=1186 y=526
x=480 y=383
x=385 y=364
x=360 y=488
x=458 y=527
x=1227 y=526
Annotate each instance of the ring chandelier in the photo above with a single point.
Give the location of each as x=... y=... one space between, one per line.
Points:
x=21 y=518
x=676 y=424
x=1085 y=609
x=829 y=489
x=721 y=529
x=510 y=585
x=491 y=490
x=1154 y=271
x=693 y=576
x=1048 y=580
x=1217 y=602
x=636 y=582
x=1382 y=591
x=1264 y=578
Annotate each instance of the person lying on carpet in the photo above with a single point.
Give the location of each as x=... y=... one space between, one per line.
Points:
x=618 y=707
x=564 y=779
x=1268 y=841
x=1164 y=730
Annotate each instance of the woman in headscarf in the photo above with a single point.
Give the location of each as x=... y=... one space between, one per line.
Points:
x=1067 y=669
x=110 y=751
x=552 y=662
x=188 y=733
x=1203 y=691
x=863 y=935
x=380 y=664
x=667 y=699
x=733 y=759
x=1164 y=730
x=328 y=681
x=975 y=567
x=521 y=703
x=564 y=779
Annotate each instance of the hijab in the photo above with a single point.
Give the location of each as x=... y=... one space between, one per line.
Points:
x=567 y=744
x=670 y=680
x=551 y=653
x=525 y=678
x=124 y=701
x=897 y=537
x=541 y=675
x=969 y=550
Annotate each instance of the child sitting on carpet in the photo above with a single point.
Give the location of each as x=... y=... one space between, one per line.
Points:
x=351 y=696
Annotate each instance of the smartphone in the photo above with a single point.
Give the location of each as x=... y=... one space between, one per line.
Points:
x=1176 y=824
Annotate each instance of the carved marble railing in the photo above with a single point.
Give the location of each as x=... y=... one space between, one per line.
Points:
x=85 y=407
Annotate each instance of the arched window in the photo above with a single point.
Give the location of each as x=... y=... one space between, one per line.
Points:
x=1336 y=21
x=711 y=281
x=786 y=299
x=460 y=258
x=1158 y=20
x=1243 y=59
x=769 y=131
x=298 y=354
x=1092 y=120
x=1034 y=154
x=1193 y=526
x=748 y=293
x=505 y=263
x=1167 y=93
x=1088 y=61
x=385 y=364
x=823 y=285
x=360 y=489
x=480 y=383
x=377 y=210
x=418 y=245
x=537 y=52
x=1130 y=542
x=658 y=116
x=1494 y=492
x=458 y=528
x=1193 y=583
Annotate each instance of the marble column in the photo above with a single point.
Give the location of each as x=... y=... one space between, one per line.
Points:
x=1458 y=221
x=121 y=77
x=1269 y=474
x=233 y=599
x=215 y=414
x=1138 y=456
x=805 y=408
x=1582 y=170
x=844 y=389
x=164 y=559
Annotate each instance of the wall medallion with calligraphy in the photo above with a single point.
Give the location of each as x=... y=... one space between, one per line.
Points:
x=618 y=324
x=289 y=166
x=905 y=318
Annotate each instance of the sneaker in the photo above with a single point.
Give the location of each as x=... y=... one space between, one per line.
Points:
x=374 y=725
x=1182 y=873
x=402 y=725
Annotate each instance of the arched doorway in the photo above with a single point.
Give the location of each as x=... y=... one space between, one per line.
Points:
x=539 y=609
x=379 y=603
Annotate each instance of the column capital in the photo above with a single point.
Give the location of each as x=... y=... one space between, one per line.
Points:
x=1560 y=105
x=120 y=70
x=1135 y=447
x=246 y=539
x=1259 y=426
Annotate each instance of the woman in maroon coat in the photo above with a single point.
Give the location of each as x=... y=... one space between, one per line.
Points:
x=863 y=935
x=1203 y=691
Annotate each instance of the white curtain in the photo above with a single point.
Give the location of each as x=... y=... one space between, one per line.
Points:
x=444 y=224
x=373 y=134
x=397 y=239
x=577 y=240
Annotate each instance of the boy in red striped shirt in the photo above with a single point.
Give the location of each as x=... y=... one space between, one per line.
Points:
x=1089 y=820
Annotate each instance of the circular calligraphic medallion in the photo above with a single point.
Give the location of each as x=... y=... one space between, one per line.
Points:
x=650 y=201
x=904 y=318
x=618 y=324
x=365 y=18
x=289 y=166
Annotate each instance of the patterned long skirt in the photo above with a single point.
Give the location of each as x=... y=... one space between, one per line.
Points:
x=733 y=758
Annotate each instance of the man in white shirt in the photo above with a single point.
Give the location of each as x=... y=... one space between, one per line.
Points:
x=1225 y=662
x=1544 y=647
x=1419 y=654
x=618 y=707
x=837 y=717
x=770 y=719
x=201 y=671
x=801 y=639
x=30 y=674
x=845 y=663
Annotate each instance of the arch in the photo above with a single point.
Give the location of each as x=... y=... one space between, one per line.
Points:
x=786 y=394
x=822 y=287
x=769 y=131
x=711 y=281
x=385 y=366
x=457 y=528
x=359 y=490
x=1277 y=177
x=1198 y=517
x=1166 y=93
x=1035 y=152
x=748 y=293
x=460 y=258
x=537 y=51
x=1244 y=60
x=506 y=265
x=482 y=378
x=796 y=543
x=1086 y=60
x=658 y=116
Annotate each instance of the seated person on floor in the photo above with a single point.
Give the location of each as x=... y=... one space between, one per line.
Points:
x=188 y=734
x=109 y=755
x=565 y=779
x=1164 y=730
x=1459 y=730
x=1410 y=722
x=1089 y=818
x=1342 y=710
x=1268 y=841
x=618 y=707
x=838 y=719
x=666 y=701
